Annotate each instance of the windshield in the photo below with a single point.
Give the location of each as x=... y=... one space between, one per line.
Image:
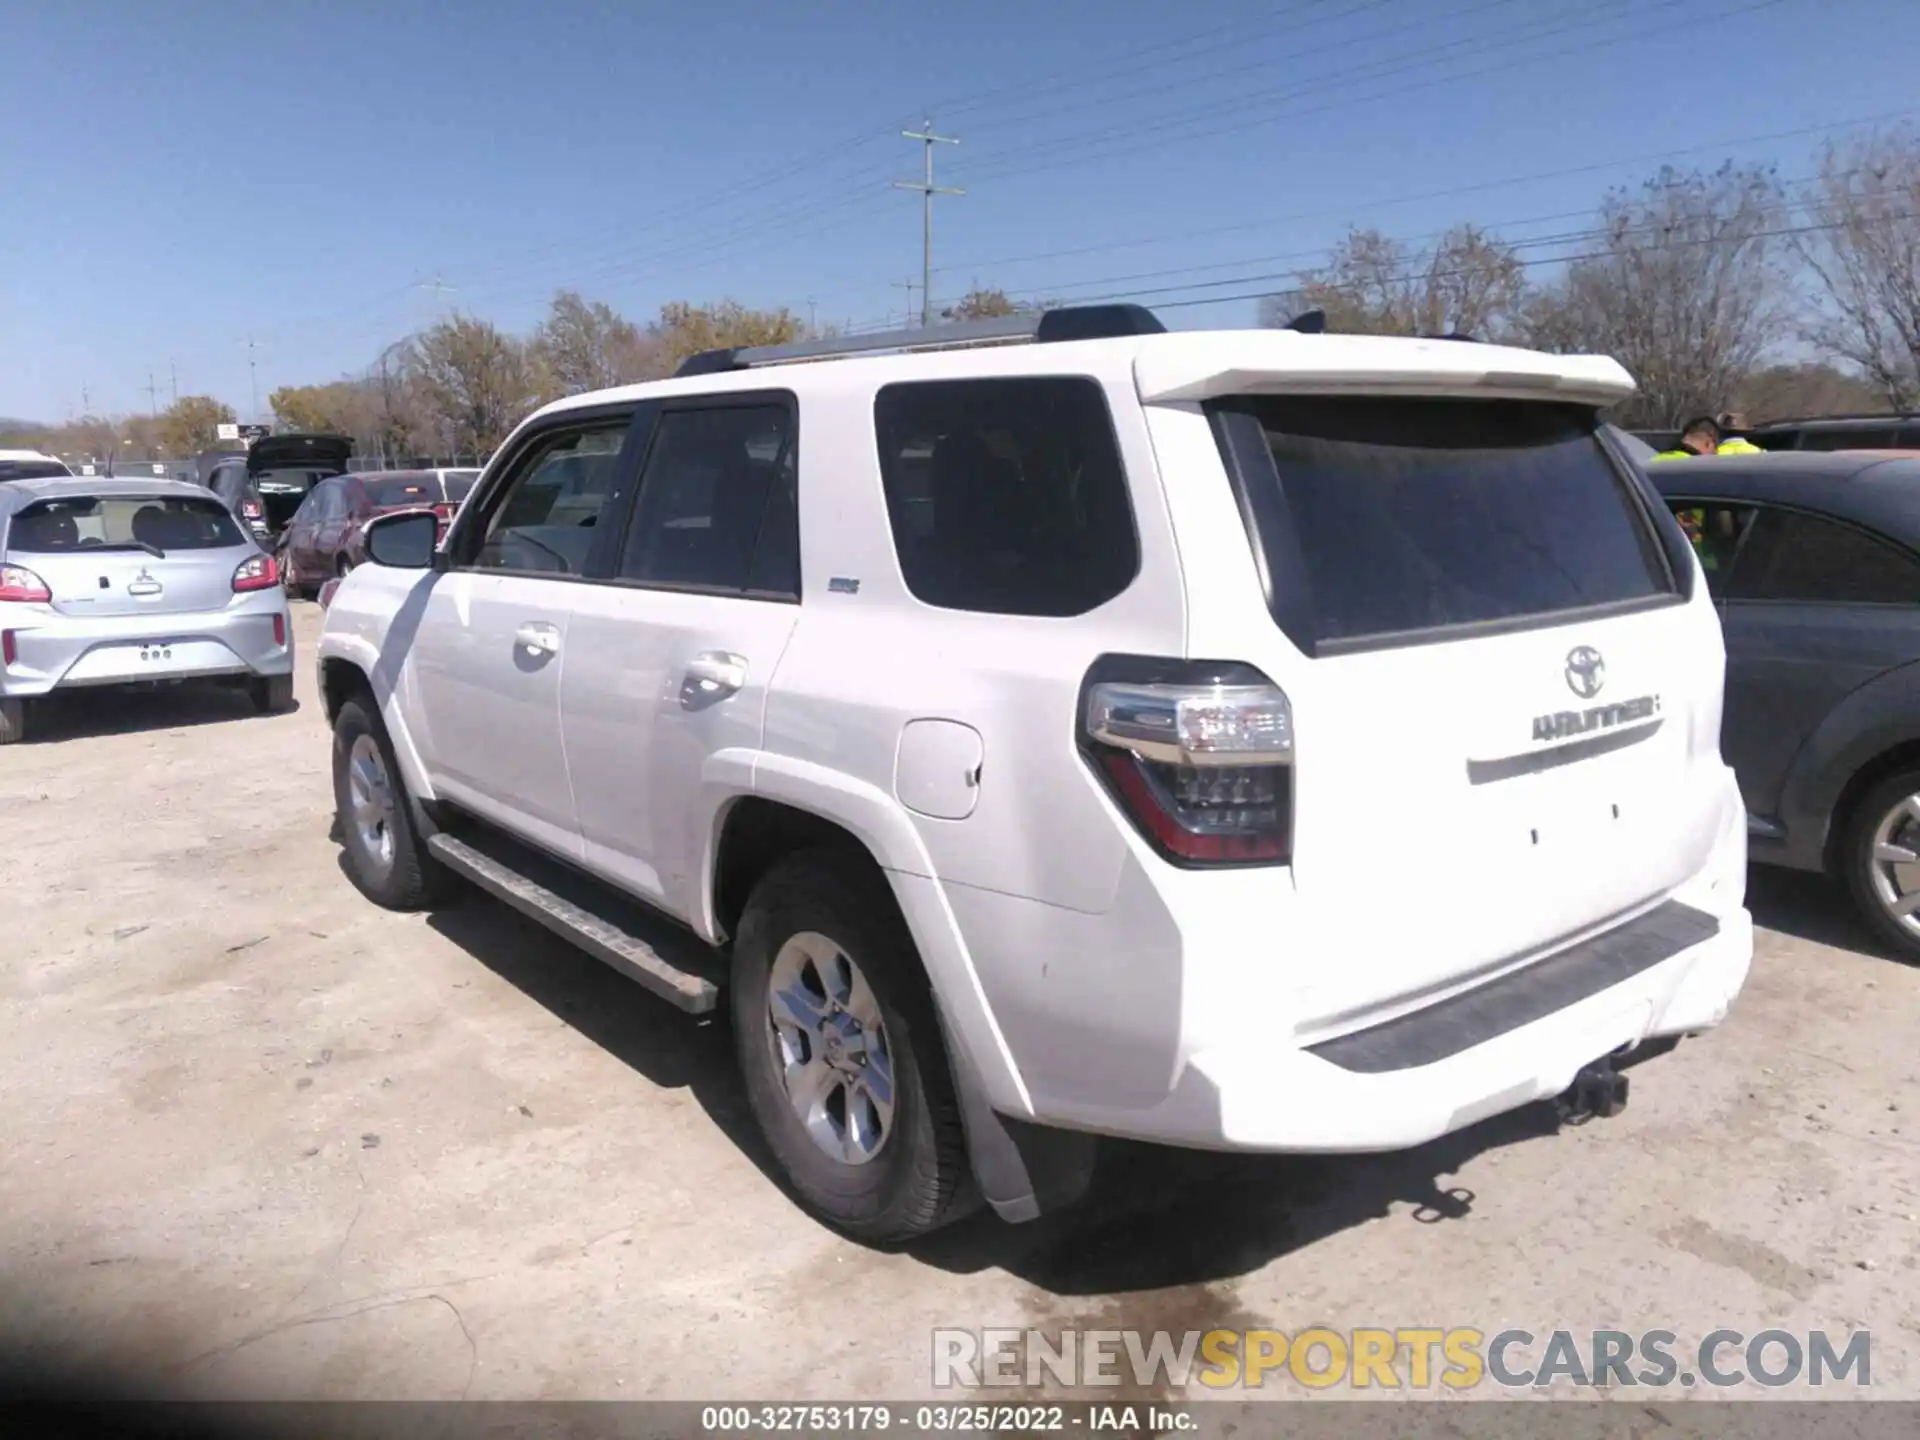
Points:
x=125 y=522
x=460 y=484
x=31 y=469
x=414 y=490
x=1422 y=515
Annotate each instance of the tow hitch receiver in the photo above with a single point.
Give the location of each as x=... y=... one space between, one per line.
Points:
x=1598 y=1090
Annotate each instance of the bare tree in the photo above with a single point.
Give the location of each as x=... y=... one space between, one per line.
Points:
x=588 y=345
x=1683 y=287
x=1469 y=282
x=475 y=381
x=1865 y=258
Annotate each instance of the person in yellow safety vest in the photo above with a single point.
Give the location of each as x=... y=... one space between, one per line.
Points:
x=1699 y=436
x=1731 y=440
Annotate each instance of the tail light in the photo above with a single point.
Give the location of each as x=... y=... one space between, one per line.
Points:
x=257 y=572
x=1198 y=754
x=279 y=630
x=22 y=585
x=9 y=651
x=251 y=509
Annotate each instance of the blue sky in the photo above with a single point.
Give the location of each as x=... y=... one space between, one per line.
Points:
x=181 y=177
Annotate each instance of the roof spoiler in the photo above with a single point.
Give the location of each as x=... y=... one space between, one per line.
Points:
x=1043 y=327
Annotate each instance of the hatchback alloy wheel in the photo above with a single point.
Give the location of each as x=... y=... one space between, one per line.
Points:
x=1895 y=876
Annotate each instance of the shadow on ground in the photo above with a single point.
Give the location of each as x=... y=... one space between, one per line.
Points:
x=84 y=714
x=1810 y=907
x=1157 y=1217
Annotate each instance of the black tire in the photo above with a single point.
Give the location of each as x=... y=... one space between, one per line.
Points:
x=1858 y=866
x=412 y=879
x=271 y=694
x=295 y=590
x=917 y=1180
x=13 y=721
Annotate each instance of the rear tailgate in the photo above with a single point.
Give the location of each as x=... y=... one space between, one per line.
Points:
x=1505 y=713
x=118 y=554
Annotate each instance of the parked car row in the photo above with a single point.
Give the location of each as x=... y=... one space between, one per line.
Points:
x=324 y=538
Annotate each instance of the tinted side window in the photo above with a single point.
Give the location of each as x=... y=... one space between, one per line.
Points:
x=1715 y=531
x=716 y=502
x=1790 y=556
x=543 y=519
x=1006 y=496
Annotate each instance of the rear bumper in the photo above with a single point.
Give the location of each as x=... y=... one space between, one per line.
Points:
x=60 y=652
x=1187 y=1031
x=1282 y=1099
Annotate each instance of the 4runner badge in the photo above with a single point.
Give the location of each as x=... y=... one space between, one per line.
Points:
x=1586 y=671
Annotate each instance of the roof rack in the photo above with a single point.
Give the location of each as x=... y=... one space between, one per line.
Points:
x=1070 y=322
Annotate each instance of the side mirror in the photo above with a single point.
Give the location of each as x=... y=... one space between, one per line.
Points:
x=404 y=541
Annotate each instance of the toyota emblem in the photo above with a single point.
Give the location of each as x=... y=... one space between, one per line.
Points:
x=1586 y=671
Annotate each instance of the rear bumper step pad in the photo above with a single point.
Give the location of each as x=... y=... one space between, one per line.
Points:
x=1531 y=993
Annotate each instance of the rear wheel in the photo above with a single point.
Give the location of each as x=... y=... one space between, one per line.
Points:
x=1881 y=859
x=289 y=577
x=386 y=858
x=840 y=1050
x=13 y=721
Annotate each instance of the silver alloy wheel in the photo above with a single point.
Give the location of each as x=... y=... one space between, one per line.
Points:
x=370 y=799
x=1895 y=865
x=830 y=1047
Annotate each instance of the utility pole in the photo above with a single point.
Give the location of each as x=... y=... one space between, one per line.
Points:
x=173 y=380
x=927 y=190
x=253 y=376
x=86 y=399
x=153 y=403
x=439 y=287
x=909 y=286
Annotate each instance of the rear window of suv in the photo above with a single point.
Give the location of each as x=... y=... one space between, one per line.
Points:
x=122 y=522
x=1408 y=517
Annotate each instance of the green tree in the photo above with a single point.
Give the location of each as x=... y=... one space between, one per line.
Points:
x=191 y=424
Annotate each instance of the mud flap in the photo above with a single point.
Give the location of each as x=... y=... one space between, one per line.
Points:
x=1022 y=1170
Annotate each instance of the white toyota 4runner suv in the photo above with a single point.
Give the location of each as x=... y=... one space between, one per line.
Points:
x=1264 y=740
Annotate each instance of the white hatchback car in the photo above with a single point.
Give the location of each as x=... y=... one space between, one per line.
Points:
x=1256 y=740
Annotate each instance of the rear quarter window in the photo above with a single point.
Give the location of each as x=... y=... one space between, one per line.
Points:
x=1006 y=497
x=1394 y=519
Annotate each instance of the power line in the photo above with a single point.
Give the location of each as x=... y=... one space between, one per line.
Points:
x=1102 y=144
x=927 y=190
x=1450 y=191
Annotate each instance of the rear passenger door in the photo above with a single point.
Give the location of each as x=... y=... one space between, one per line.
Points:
x=665 y=693
x=1813 y=609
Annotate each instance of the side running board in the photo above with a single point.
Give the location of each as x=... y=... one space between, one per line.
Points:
x=606 y=931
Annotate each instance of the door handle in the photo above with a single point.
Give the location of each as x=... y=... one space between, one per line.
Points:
x=714 y=673
x=539 y=638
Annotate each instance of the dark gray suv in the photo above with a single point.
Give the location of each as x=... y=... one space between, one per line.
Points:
x=1814 y=560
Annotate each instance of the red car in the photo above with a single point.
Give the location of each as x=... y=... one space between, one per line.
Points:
x=324 y=539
